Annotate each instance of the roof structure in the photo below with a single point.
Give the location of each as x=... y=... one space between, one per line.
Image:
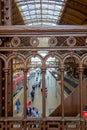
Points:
x=41 y=12
x=49 y=12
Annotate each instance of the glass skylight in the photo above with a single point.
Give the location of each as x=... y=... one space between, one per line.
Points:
x=44 y=12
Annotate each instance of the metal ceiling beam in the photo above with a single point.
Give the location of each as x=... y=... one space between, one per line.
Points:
x=59 y=30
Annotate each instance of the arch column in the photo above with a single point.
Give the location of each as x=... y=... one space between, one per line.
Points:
x=6 y=96
x=6 y=92
x=62 y=91
x=25 y=91
x=80 y=90
x=43 y=92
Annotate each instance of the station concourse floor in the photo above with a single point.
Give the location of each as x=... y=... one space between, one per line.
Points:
x=53 y=97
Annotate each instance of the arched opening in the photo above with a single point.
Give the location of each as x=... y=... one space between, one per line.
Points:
x=16 y=79
x=71 y=83
x=34 y=86
x=52 y=85
x=84 y=84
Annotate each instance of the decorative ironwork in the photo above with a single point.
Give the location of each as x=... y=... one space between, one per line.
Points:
x=7 y=12
x=40 y=124
x=15 y=41
x=34 y=41
x=49 y=123
x=52 y=41
x=71 y=41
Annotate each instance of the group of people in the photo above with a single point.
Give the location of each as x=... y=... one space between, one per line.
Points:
x=32 y=112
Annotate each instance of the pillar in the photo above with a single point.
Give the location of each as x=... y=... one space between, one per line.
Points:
x=5 y=15
x=62 y=91
x=6 y=97
x=80 y=90
x=43 y=92
x=25 y=91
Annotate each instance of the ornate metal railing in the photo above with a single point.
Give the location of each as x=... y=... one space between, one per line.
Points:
x=12 y=48
x=41 y=124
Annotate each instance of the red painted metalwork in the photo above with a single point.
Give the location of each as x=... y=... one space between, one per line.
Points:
x=84 y=113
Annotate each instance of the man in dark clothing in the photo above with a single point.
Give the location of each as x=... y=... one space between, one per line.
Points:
x=32 y=95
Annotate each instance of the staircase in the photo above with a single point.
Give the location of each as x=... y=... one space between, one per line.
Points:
x=72 y=103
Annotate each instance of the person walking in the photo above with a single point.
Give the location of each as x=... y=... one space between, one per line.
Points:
x=17 y=105
x=32 y=95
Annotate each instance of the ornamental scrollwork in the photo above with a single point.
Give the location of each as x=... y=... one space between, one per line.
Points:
x=71 y=41
x=52 y=41
x=34 y=41
x=15 y=41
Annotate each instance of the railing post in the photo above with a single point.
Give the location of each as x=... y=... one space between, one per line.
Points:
x=62 y=91
x=25 y=95
x=80 y=91
x=25 y=91
x=43 y=92
x=6 y=97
